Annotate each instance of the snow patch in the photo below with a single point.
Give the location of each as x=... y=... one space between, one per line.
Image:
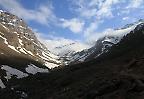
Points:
x=2 y=53
x=4 y=26
x=2 y=84
x=1 y=11
x=29 y=52
x=50 y=65
x=32 y=69
x=12 y=47
x=20 y=41
x=13 y=72
x=22 y=51
x=5 y=40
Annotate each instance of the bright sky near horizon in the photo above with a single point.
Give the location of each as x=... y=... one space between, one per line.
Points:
x=67 y=21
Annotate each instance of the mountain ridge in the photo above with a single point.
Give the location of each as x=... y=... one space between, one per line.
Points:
x=23 y=40
x=103 y=43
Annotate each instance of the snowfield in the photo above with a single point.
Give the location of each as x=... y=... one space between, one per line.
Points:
x=32 y=69
x=13 y=72
x=2 y=84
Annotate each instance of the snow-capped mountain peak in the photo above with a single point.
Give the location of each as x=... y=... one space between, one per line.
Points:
x=110 y=38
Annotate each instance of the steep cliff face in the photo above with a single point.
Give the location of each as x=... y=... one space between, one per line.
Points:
x=17 y=39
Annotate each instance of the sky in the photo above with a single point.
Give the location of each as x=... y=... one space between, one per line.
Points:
x=60 y=22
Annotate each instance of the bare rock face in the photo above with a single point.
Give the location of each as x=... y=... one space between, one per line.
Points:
x=17 y=39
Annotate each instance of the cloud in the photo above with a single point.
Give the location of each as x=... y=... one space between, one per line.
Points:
x=135 y=4
x=88 y=13
x=131 y=6
x=94 y=13
x=75 y=25
x=91 y=29
x=124 y=11
x=105 y=9
x=85 y=8
x=95 y=8
x=125 y=18
x=43 y=14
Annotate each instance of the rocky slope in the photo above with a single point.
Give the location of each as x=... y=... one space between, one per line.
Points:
x=21 y=53
x=102 y=44
x=20 y=41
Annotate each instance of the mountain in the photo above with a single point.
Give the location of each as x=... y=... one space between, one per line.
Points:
x=115 y=74
x=112 y=69
x=66 y=51
x=102 y=45
x=21 y=53
x=20 y=41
